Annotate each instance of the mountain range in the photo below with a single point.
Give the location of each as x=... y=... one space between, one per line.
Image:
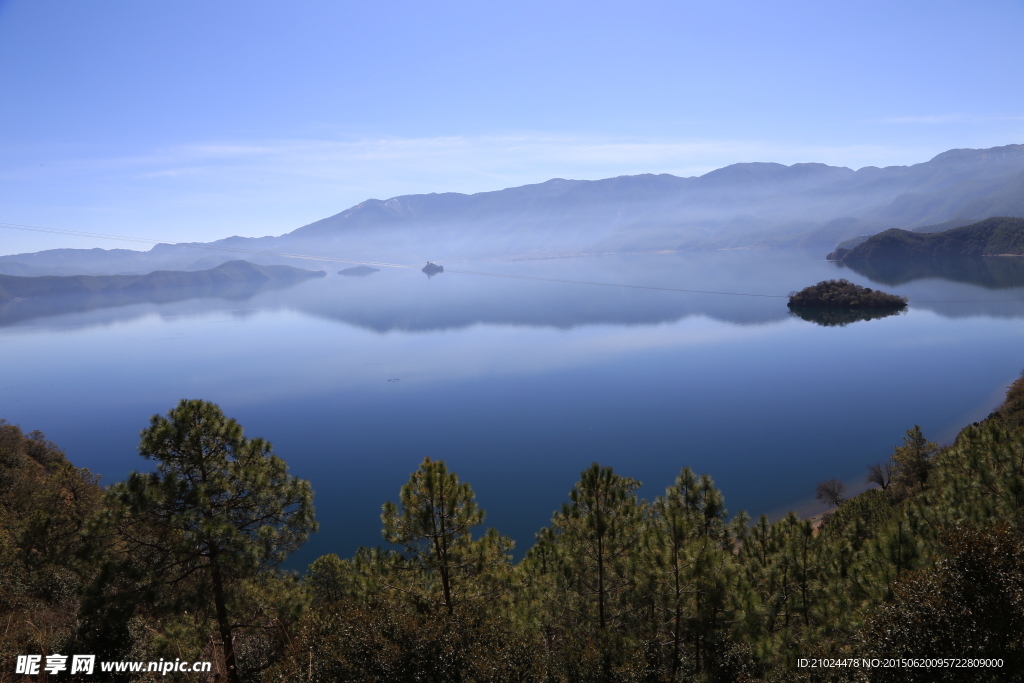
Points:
x=747 y=205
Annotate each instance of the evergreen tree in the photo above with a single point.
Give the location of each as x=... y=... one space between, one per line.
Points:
x=433 y=525
x=45 y=504
x=689 y=563
x=970 y=604
x=913 y=458
x=219 y=512
x=592 y=549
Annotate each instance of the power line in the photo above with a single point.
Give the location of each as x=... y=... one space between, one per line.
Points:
x=615 y=284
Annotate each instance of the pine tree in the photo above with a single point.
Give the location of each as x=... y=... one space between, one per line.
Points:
x=690 y=567
x=592 y=549
x=220 y=506
x=913 y=458
x=433 y=525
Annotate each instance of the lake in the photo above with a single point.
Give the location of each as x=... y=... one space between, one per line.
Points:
x=521 y=382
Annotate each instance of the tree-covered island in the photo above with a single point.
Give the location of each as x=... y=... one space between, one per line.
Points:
x=844 y=294
x=182 y=564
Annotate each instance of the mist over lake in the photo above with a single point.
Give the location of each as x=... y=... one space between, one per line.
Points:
x=521 y=383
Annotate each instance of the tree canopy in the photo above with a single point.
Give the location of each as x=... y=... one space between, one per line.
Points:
x=220 y=508
x=844 y=294
x=184 y=563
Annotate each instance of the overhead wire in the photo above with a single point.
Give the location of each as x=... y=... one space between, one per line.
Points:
x=614 y=284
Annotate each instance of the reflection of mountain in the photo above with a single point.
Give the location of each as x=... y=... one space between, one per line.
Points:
x=23 y=298
x=840 y=317
x=978 y=254
x=224 y=276
x=993 y=272
x=397 y=300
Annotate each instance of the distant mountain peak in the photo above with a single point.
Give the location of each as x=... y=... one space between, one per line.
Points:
x=1005 y=152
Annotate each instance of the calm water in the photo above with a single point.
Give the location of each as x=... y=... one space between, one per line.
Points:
x=519 y=384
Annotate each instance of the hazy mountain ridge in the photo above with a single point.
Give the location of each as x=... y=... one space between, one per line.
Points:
x=748 y=205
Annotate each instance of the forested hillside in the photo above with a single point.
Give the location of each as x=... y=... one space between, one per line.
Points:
x=184 y=563
x=991 y=237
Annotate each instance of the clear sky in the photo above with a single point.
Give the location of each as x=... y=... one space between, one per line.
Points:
x=193 y=120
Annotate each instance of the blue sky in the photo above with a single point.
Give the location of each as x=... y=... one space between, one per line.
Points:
x=192 y=120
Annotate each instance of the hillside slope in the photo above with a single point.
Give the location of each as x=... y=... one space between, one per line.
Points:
x=990 y=237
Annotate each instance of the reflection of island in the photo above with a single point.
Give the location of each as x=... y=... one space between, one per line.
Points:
x=986 y=253
x=359 y=271
x=432 y=269
x=402 y=304
x=840 y=317
x=845 y=295
x=835 y=303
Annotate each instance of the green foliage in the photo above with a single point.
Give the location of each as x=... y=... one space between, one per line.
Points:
x=182 y=563
x=840 y=317
x=970 y=604
x=843 y=294
x=990 y=237
x=860 y=517
x=204 y=530
x=596 y=537
x=437 y=610
x=981 y=476
x=912 y=460
x=433 y=525
x=355 y=640
x=690 y=570
x=45 y=505
x=1011 y=413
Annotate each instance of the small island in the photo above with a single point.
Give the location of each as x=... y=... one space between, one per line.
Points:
x=844 y=294
x=432 y=269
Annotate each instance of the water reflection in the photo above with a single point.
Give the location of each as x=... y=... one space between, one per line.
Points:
x=358 y=271
x=520 y=383
x=841 y=317
x=994 y=272
x=202 y=296
x=402 y=300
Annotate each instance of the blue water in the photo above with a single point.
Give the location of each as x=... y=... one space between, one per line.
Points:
x=519 y=384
